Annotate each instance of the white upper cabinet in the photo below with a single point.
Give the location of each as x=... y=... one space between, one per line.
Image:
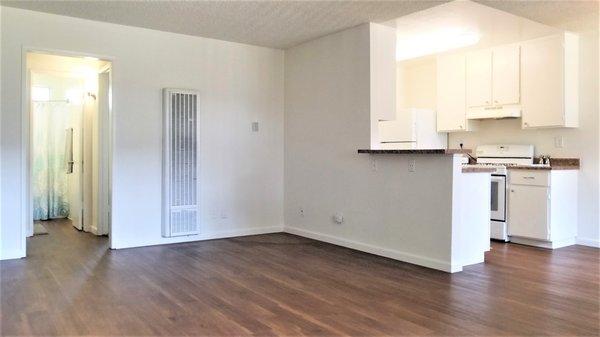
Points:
x=506 y=75
x=479 y=78
x=493 y=77
x=549 y=82
x=451 y=105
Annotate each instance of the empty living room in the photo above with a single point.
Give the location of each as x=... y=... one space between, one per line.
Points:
x=299 y=168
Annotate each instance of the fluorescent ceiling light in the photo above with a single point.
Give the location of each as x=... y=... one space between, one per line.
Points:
x=416 y=45
x=89 y=58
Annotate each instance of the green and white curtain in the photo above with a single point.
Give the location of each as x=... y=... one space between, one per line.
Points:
x=50 y=184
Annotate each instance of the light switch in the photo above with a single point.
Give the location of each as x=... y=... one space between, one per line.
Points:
x=559 y=141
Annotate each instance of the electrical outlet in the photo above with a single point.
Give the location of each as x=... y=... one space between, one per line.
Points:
x=559 y=142
x=338 y=217
x=412 y=165
x=254 y=126
x=301 y=211
x=224 y=214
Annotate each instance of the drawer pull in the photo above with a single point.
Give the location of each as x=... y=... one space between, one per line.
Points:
x=528 y=177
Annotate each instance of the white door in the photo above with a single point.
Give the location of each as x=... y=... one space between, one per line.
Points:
x=506 y=75
x=76 y=177
x=479 y=78
x=451 y=114
x=528 y=210
x=542 y=82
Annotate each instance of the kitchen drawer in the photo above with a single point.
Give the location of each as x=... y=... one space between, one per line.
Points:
x=529 y=177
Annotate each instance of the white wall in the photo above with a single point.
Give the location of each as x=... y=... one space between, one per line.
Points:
x=417 y=83
x=581 y=142
x=388 y=211
x=242 y=172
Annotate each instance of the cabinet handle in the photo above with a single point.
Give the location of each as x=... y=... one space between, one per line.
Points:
x=487 y=102
x=526 y=124
x=495 y=101
x=512 y=191
x=461 y=126
x=528 y=177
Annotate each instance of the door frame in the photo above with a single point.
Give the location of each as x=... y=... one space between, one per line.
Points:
x=26 y=134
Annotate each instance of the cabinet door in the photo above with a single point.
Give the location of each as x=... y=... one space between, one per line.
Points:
x=506 y=75
x=479 y=78
x=528 y=210
x=542 y=66
x=451 y=114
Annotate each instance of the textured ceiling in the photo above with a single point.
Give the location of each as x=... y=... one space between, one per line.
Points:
x=574 y=15
x=282 y=24
x=278 y=24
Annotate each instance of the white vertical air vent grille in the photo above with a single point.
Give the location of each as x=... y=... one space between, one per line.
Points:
x=180 y=162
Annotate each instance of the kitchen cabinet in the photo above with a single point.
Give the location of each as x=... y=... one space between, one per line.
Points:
x=492 y=82
x=450 y=92
x=479 y=78
x=506 y=74
x=549 y=82
x=542 y=207
x=528 y=211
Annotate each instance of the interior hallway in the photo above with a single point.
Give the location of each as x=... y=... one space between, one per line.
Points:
x=71 y=284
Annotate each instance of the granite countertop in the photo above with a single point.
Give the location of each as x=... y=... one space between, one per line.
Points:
x=473 y=169
x=424 y=151
x=555 y=164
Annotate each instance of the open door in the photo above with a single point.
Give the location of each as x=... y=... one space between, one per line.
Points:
x=76 y=175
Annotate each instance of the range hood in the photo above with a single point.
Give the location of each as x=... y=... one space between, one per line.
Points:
x=494 y=112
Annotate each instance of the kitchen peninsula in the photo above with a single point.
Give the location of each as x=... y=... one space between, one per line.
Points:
x=462 y=237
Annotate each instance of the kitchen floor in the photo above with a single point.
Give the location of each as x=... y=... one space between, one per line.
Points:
x=281 y=284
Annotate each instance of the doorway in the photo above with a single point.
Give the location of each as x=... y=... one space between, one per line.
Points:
x=69 y=159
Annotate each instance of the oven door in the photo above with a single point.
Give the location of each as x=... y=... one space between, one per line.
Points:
x=498 y=209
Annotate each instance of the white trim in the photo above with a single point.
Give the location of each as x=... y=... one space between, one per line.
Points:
x=588 y=242
x=543 y=244
x=207 y=236
x=385 y=252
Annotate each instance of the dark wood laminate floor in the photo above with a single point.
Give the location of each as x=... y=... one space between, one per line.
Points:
x=281 y=284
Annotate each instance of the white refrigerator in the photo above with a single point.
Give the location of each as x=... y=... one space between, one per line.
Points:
x=412 y=129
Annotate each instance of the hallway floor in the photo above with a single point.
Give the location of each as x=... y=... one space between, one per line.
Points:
x=281 y=284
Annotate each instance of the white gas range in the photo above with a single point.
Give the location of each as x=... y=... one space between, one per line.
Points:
x=500 y=157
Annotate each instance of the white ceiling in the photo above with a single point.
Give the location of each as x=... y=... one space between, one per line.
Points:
x=282 y=24
x=464 y=25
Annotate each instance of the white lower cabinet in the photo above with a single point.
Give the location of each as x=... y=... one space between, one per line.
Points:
x=542 y=207
x=529 y=208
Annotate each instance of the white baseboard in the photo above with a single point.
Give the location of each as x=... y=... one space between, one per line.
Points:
x=543 y=244
x=10 y=255
x=390 y=253
x=204 y=236
x=588 y=242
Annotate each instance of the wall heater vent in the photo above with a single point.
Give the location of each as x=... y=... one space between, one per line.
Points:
x=180 y=162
